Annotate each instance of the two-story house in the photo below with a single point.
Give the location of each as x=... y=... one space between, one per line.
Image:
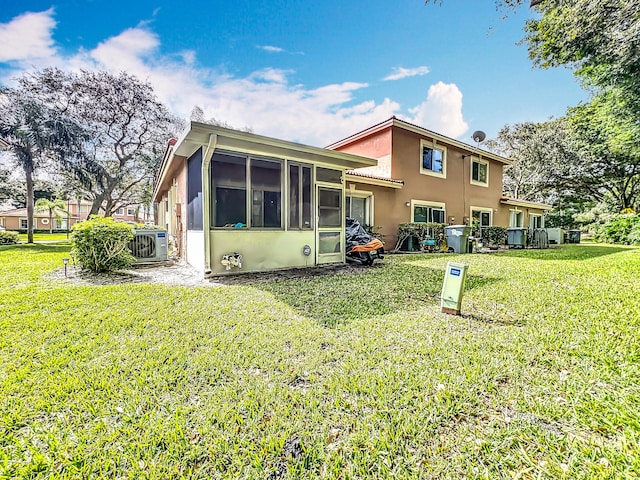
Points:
x=422 y=176
x=224 y=194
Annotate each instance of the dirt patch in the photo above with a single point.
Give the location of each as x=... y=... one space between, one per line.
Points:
x=181 y=273
x=168 y=273
x=293 y=273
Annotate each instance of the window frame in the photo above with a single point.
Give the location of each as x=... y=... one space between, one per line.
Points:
x=479 y=161
x=513 y=215
x=26 y=224
x=301 y=166
x=368 y=205
x=430 y=205
x=533 y=216
x=434 y=146
x=131 y=212
x=249 y=190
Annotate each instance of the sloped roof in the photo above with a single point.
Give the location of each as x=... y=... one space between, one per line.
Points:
x=396 y=122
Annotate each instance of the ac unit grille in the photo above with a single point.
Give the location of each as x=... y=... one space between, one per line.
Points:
x=149 y=246
x=143 y=246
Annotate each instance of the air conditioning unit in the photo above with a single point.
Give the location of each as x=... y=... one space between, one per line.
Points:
x=149 y=246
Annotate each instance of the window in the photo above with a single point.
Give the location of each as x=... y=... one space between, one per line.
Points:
x=428 y=213
x=194 y=192
x=516 y=219
x=479 y=172
x=433 y=159
x=229 y=188
x=230 y=176
x=84 y=208
x=266 y=193
x=536 y=221
x=329 y=207
x=359 y=208
x=23 y=224
x=131 y=212
x=120 y=211
x=480 y=219
x=328 y=175
x=300 y=197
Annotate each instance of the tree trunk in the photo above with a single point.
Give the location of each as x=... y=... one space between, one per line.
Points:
x=28 y=170
x=95 y=205
x=50 y=222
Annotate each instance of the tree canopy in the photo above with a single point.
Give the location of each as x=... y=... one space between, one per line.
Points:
x=35 y=134
x=127 y=129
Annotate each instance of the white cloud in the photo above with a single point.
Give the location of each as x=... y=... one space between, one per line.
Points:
x=271 y=48
x=266 y=100
x=400 y=73
x=441 y=111
x=27 y=38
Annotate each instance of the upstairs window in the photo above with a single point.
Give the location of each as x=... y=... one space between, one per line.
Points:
x=433 y=159
x=479 y=172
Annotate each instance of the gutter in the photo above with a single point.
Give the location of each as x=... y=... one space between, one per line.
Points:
x=206 y=199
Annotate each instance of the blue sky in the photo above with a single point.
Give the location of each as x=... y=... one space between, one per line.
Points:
x=312 y=72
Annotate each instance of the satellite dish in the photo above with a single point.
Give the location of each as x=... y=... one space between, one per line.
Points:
x=478 y=136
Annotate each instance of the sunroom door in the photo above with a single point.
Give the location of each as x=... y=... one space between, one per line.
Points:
x=330 y=231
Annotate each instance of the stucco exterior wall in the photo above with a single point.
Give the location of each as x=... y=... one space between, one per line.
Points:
x=376 y=145
x=456 y=190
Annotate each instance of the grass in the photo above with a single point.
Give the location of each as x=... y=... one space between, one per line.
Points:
x=45 y=237
x=343 y=376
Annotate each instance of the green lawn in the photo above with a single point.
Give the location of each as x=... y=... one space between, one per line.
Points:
x=344 y=376
x=45 y=237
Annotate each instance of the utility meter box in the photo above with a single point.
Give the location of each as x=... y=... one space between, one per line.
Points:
x=452 y=288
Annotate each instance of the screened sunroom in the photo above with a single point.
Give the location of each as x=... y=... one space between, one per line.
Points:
x=237 y=202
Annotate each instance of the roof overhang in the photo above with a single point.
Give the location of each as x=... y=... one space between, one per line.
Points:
x=525 y=203
x=371 y=180
x=395 y=122
x=199 y=134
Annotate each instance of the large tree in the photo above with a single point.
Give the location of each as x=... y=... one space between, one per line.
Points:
x=539 y=153
x=128 y=130
x=34 y=134
x=607 y=136
x=599 y=39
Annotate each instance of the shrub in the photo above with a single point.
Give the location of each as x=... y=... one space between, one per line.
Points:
x=494 y=235
x=101 y=244
x=623 y=229
x=418 y=231
x=9 y=238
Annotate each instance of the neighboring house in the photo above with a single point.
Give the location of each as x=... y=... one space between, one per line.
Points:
x=279 y=204
x=422 y=176
x=16 y=219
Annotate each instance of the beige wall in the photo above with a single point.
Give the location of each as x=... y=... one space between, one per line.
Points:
x=171 y=209
x=456 y=190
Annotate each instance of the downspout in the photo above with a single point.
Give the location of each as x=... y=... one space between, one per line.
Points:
x=206 y=202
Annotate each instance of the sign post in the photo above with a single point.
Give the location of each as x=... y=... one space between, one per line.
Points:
x=453 y=287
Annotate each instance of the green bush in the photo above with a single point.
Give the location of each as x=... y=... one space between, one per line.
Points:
x=494 y=235
x=622 y=228
x=418 y=231
x=9 y=238
x=101 y=244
